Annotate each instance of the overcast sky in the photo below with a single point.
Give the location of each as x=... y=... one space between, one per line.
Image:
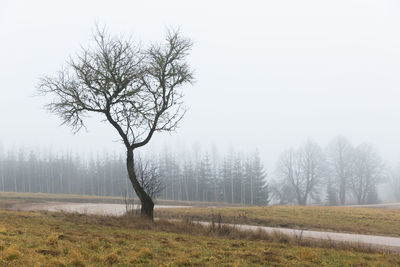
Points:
x=270 y=74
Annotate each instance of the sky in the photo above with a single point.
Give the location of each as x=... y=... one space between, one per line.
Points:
x=269 y=74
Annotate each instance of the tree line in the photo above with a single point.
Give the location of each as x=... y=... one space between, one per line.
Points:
x=235 y=179
x=63 y=173
x=338 y=175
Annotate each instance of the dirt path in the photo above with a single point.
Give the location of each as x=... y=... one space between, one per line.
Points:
x=383 y=242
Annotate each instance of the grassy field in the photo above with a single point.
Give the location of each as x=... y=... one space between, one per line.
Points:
x=376 y=221
x=42 y=197
x=338 y=219
x=59 y=239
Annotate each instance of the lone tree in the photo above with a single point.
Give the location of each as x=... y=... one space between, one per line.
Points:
x=137 y=90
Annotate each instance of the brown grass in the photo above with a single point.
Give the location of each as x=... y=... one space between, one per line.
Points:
x=60 y=239
x=338 y=219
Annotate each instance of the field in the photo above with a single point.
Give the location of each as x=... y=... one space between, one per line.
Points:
x=338 y=219
x=59 y=239
x=43 y=197
x=376 y=221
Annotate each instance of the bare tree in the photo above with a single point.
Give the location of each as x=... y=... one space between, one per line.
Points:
x=138 y=91
x=394 y=182
x=2 y=167
x=149 y=178
x=367 y=173
x=303 y=170
x=282 y=192
x=339 y=155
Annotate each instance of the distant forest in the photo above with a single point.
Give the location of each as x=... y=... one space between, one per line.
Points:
x=235 y=179
x=338 y=174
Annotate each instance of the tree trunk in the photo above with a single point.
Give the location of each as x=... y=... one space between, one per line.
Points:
x=232 y=196
x=342 y=192
x=187 y=189
x=251 y=190
x=2 y=177
x=145 y=200
x=301 y=200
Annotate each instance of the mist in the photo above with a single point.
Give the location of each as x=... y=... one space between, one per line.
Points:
x=269 y=75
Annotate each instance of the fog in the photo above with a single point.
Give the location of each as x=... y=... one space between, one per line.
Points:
x=269 y=74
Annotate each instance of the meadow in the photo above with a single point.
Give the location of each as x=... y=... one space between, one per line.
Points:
x=376 y=221
x=61 y=239
x=71 y=239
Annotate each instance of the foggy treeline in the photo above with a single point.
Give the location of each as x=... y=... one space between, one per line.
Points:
x=235 y=179
x=340 y=173
x=32 y=171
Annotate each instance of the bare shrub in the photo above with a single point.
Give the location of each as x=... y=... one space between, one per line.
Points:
x=149 y=177
x=131 y=209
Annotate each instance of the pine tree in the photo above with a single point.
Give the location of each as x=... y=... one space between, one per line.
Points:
x=237 y=176
x=331 y=194
x=226 y=177
x=261 y=191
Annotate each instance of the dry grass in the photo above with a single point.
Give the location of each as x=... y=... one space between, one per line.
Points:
x=60 y=239
x=339 y=219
